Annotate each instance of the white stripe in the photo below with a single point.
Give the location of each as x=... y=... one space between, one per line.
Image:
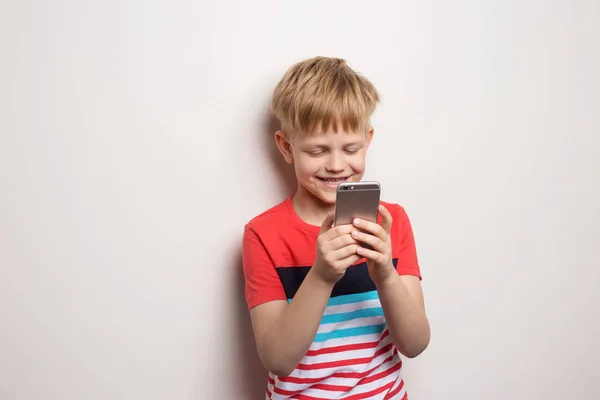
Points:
x=346 y=355
x=344 y=308
x=372 y=337
x=353 y=323
x=340 y=381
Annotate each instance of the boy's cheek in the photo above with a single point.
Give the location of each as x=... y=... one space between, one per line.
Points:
x=307 y=167
x=358 y=166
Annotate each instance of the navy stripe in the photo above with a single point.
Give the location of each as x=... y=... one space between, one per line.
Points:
x=356 y=280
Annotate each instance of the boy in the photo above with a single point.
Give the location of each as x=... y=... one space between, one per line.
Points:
x=331 y=317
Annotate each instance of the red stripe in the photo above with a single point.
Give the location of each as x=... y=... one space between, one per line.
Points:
x=380 y=375
x=395 y=392
x=343 y=363
x=347 y=347
x=350 y=375
x=330 y=388
x=339 y=349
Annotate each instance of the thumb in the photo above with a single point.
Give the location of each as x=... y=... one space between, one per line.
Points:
x=327 y=222
x=386 y=218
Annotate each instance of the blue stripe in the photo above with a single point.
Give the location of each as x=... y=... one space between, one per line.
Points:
x=364 y=313
x=349 y=332
x=353 y=298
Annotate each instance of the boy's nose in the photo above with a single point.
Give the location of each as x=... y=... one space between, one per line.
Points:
x=335 y=164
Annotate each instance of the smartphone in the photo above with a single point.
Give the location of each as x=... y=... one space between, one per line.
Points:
x=357 y=200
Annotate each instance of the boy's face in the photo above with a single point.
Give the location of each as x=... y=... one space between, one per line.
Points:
x=322 y=160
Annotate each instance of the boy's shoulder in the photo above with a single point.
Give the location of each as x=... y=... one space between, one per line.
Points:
x=271 y=217
x=395 y=209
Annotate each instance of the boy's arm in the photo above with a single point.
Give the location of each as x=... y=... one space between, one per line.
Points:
x=403 y=306
x=284 y=332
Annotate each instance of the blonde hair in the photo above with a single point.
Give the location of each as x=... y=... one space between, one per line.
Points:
x=323 y=92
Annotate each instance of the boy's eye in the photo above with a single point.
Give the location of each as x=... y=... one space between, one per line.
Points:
x=318 y=152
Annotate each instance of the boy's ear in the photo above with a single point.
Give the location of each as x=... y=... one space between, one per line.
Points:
x=370 y=133
x=284 y=146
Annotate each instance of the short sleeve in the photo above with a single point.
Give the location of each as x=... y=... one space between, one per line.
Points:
x=262 y=283
x=404 y=247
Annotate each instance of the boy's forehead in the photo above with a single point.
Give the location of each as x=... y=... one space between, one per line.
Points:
x=320 y=137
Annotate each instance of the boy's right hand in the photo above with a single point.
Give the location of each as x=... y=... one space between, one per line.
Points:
x=336 y=250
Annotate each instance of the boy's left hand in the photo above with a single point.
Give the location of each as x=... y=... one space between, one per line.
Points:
x=379 y=260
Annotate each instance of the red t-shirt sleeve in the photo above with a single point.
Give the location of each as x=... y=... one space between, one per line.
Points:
x=404 y=247
x=262 y=283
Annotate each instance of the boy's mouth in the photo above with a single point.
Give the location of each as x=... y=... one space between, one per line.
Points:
x=333 y=181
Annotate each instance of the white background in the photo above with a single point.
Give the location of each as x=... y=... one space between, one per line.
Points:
x=135 y=143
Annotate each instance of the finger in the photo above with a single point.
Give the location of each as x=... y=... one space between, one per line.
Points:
x=342 y=241
x=344 y=252
x=386 y=218
x=370 y=227
x=337 y=231
x=350 y=261
x=369 y=254
x=327 y=223
x=373 y=241
x=347 y=262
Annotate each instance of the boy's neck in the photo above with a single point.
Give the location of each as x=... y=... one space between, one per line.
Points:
x=309 y=208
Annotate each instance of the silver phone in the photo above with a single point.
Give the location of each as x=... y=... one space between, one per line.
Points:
x=357 y=200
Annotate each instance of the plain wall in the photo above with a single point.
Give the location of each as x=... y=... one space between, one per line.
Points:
x=135 y=143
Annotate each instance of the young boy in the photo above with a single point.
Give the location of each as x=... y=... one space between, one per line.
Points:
x=331 y=318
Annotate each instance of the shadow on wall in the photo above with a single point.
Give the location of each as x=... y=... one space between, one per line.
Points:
x=287 y=178
x=251 y=373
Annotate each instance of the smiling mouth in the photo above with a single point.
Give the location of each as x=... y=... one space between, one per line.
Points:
x=333 y=181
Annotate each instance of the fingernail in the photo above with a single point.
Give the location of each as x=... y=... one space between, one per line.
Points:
x=359 y=250
x=356 y=221
x=355 y=234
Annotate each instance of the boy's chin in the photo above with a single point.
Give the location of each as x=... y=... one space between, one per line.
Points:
x=321 y=196
x=330 y=201
x=326 y=197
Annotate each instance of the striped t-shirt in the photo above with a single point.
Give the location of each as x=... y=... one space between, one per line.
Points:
x=352 y=356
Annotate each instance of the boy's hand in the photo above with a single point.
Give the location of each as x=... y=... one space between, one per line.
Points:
x=336 y=250
x=379 y=260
